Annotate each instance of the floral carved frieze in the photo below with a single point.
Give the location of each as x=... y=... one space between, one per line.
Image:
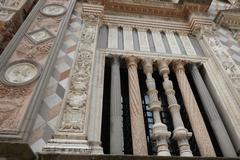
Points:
x=75 y=105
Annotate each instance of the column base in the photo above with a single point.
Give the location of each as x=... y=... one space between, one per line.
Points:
x=69 y=146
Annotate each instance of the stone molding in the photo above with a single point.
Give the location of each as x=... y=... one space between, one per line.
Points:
x=152 y=55
x=189 y=26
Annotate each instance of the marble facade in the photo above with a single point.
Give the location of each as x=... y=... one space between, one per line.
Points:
x=53 y=72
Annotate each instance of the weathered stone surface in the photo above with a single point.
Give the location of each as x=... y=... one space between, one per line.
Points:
x=136 y=112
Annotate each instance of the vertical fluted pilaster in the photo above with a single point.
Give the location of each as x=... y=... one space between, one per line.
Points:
x=180 y=133
x=199 y=129
x=160 y=132
x=137 y=121
x=215 y=120
x=116 y=132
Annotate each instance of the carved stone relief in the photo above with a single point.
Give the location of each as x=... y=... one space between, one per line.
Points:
x=15 y=99
x=11 y=100
x=229 y=65
x=11 y=3
x=20 y=73
x=40 y=35
x=53 y=10
x=75 y=105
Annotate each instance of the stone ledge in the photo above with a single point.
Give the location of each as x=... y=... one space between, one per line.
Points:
x=118 y=157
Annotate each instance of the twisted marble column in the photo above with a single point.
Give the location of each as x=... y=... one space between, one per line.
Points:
x=180 y=133
x=160 y=132
x=215 y=120
x=199 y=129
x=137 y=121
x=116 y=131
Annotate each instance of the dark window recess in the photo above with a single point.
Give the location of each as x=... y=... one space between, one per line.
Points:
x=105 y=136
x=205 y=118
x=148 y=116
x=127 y=134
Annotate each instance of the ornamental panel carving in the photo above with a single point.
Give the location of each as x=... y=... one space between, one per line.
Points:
x=75 y=105
x=225 y=59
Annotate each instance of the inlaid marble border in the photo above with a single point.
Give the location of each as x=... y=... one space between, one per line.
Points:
x=8 y=83
x=53 y=4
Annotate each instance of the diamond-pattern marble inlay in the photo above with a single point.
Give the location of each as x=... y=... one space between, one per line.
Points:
x=47 y=118
x=40 y=35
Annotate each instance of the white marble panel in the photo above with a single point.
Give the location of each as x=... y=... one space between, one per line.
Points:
x=128 y=38
x=113 y=37
x=143 y=40
x=158 y=42
x=187 y=45
x=173 y=43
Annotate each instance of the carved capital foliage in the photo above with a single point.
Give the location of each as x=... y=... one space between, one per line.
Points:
x=92 y=13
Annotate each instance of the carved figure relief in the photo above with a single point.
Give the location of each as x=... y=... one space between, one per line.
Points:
x=10 y=3
x=76 y=98
x=231 y=68
x=11 y=100
x=20 y=73
x=30 y=51
x=227 y=62
x=53 y=10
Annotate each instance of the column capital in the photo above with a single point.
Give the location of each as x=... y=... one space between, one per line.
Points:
x=132 y=61
x=147 y=65
x=179 y=65
x=163 y=66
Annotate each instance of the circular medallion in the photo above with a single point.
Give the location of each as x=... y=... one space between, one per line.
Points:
x=53 y=10
x=20 y=73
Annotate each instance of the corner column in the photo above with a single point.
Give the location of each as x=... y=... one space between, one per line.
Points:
x=199 y=129
x=137 y=121
x=160 y=132
x=116 y=131
x=216 y=122
x=180 y=133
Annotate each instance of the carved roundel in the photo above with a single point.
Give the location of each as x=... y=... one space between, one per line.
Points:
x=20 y=73
x=53 y=10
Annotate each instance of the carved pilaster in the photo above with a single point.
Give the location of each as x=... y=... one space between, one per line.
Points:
x=160 y=132
x=137 y=122
x=180 y=133
x=199 y=129
x=72 y=135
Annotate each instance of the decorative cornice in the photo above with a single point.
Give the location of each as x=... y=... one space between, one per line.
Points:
x=229 y=18
x=181 y=10
x=195 y=21
x=153 y=55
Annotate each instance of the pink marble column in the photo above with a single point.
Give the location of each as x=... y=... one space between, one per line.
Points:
x=199 y=129
x=137 y=121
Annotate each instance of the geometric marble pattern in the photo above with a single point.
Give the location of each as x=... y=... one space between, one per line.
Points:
x=46 y=121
